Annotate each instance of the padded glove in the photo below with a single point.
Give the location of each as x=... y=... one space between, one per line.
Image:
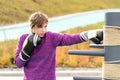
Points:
x=96 y=36
x=28 y=46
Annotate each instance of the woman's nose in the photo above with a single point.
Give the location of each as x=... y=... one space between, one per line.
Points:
x=43 y=29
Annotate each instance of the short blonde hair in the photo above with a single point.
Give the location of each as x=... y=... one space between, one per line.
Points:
x=37 y=19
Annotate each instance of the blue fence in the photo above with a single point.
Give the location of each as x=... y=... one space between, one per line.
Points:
x=57 y=24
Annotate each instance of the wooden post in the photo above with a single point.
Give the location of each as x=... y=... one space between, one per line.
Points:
x=111 y=67
x=111 y=36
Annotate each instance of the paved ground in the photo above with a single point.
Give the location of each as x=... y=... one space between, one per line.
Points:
x=62 y=74
x=20 y=78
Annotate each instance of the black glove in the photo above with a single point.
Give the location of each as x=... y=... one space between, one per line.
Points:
x=28 y=46
x=96 y=36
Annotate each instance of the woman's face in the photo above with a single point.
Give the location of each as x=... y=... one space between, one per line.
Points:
x=40 y=30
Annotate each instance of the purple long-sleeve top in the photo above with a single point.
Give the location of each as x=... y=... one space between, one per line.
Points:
x=41 y=65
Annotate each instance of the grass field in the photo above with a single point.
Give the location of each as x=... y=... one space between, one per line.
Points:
x=17 y=11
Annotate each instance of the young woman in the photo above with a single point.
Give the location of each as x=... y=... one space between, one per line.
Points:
x=36 y=51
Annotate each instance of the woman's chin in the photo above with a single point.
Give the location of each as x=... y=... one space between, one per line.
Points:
x=41 y=35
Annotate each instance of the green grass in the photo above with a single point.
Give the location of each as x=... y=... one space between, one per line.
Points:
x=17 y=11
